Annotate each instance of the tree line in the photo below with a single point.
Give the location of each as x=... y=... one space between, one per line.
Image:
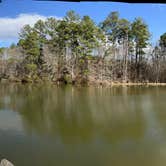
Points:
x=76 y=50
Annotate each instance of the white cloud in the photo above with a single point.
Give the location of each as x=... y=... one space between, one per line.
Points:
x=10 y=27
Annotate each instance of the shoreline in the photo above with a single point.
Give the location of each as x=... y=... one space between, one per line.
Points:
x=89 y=84
x=138 y=84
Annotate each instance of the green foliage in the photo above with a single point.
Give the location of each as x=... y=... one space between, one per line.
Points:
x=79 y=37
x=11 y=60
x=140 y=33
x=90 y=36
x=71 y=16
x=30 y=44
x=13 y=45
x=117 y=29
x=31 y=67
x=86 y=72
x=110 y=26
x=124 y=29
x=2 y=50
x=31 y=47
x=162 y=41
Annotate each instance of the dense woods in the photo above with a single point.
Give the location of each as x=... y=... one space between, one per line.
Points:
x=74 y=50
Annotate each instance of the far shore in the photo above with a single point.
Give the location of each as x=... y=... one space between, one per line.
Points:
x=138 y=84
x=89 y=84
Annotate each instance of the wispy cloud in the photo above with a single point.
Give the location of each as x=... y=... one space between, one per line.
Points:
x=160 y=7
x=10 y=27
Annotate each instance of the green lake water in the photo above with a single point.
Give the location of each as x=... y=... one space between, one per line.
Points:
x=43 y=125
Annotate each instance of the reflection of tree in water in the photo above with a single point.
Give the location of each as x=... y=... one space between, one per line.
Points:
x=79 y=114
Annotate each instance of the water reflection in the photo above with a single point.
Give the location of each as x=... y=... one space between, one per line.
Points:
x=85 y=126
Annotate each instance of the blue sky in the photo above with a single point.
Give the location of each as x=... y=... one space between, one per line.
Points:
x=16 y=13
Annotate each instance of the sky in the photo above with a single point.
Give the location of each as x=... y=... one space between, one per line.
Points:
x=14 y=14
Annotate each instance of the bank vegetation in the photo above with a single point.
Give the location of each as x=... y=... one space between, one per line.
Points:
x=74 y=50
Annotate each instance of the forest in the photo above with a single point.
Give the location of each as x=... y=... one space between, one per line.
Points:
x=75 y=50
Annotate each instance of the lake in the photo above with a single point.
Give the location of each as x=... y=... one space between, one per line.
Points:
x=46 y=125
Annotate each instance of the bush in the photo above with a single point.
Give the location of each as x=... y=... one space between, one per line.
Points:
x=31 y=67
